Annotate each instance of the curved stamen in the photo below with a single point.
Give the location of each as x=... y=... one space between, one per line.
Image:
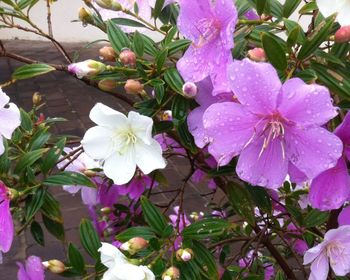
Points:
x=209 y=29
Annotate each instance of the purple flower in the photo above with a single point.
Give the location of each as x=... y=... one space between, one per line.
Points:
x=6 y=223
x=136 y=187
x=251 y=15
x=210 y=26
x=205 y=99
x=168 y=143
x=32 y=270
x=274 y=126
x=183 y=222
x=334 y=250
x=344 y=216
x=331 y=189
x=81 y=164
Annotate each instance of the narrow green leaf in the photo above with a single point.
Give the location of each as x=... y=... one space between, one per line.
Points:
x=315 y=218
x=76 y=260
x=205 y=260
x=153 y=216
x=138 y=44
x=69 y=178
x=26 y=121
x=89 y=239
x=260 y=6
x=117 y=37
x=53 y=155
x=158 y=8
x=31 y=70
x=289 y=7
x=160 y=59
x=205 y=228
x=55 y=228
x=174 y=80
x=127 y=22
x=33 y=205
x=275 y=51
x=28 y=159
x=144 y=232
x=37 y=233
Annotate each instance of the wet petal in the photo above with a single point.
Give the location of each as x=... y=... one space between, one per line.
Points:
x=343 y=132
x=331 y=188
x=195 y=126
x=312 y=150
x=267 y=168
x=229 y=127
x=306 y=104
x=313 y=253
x=296 y=176
x=256 y=85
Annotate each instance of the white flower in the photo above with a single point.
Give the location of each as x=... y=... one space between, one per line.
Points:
x=342 y=7
x=10 y=119
x=119 y=268
x=123 y=143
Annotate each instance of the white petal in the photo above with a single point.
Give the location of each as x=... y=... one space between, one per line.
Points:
x=98 y=142
x=141 y=126
x=72 y=189
x=2 y=147
x=149 y=157
x=128 y=272
x=107 y=117
x=111 y=256
x=10 y=119
x=344 y=12
x=327 y=7
x=109 y=275
x=4 y=99
x=149 y=274
x=120 y=167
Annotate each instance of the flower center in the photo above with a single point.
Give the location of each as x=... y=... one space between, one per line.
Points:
x=333 y=250
x=123 y=140
x=209 y=29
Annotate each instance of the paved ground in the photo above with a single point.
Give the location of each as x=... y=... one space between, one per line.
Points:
x=66 y=97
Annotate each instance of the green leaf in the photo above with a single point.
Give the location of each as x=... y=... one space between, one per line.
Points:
x=320 y=34
x=159 y=92
x=117 y=37
x=138 y=44
x=160 y=59
x=205 y=228
x=37 y=233
x=178 y=45
x=280 y=275
x=33 y=205
x=51 y=208
x=179 y=108
x=315 y=218
x=174 y=80
x=205 y=260
x=289 y=7
x=55 y=228
x=153 y=216
x=39 y=139
x=26 y=121
x=69 y=178
x=275 y=51
x=89 y=239
x=28 y=159
x=293 y=36
x=241 y=202
x=144 y=232
x=76 y=260
x=31 y=70
x=158 y=8
x=127 y=22
x=260 y=6
x=53 y=155
x=186 y=137
x=22 y=4
x=260 y=197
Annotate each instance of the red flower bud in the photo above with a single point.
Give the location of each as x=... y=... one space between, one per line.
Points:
x=133 y=87
x=342 y=35
x=257 y=54
x=127 y=57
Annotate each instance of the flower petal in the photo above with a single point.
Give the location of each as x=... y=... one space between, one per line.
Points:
x=4 y=99
x=98 y=142
x=327 y=7
x=120 y=167
x=341 y=233
x=2 y=147
x=331 y=188
x=340 y=263
x=306 y=104
x=344 y=217
x=312 y=150
x=343 y=12
x=148 y=273
x=21 y=274
x=343 y=132
x=319 y=268
x=149 y=157
x=89 y=196
x=111 y=256
x=256 y=85
x=267 y=168
x=141 y=126
x=195 y=126
x=34 y=268
x=313 y=253
x=10 y=119
x=229 y=127
x=107 y=117
x=6 y=226
x=296 y=176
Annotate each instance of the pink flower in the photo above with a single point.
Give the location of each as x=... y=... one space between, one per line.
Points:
x=6 y=223
x=334 y=250
x=274 y=127
x=32 y=270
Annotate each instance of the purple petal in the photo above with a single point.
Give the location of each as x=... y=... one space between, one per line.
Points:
x=266 y=168
x=343 y=132
x=341 y=234
x=306 y=104
x=195 y=126
x=320 y=268
x=6 y=225
x=219 y=74
x=313 y=253
x=72 y=189
x=331 y=188
x=312 y=150
x=256 y=85
x=340 y=261
x=22 y=274
x=229 y=127
x=344 y=217
x=34 y=268
x=251 y=15
x=89 y=196
x=296 y=176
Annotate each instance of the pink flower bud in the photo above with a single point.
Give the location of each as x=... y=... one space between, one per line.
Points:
x=133 y=87
x=342 y=35
x=107 y=53
x=172 y=273
x=107 y=85
x=134 y=245
x=55 y=266
x=87 y=68
x=257 y=54
x=127 y=57
x=167 y=115
x=190 y=89
x=184 y=255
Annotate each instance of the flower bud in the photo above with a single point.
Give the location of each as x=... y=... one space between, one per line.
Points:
x=167 y=115
x=36 y=99
x=89 y=173
x=133 y=87
x=106 y=210
x=134 y=245
x=88 y=3
x=190 y=90
x=196 y=216
x=55 y=266
x=107 y=85
x=342 y=35
x=107 y=53
x=257 y=54
x=127 y=57
x=109 y=4
x=86 y=68
x=184 y=255
x=12 y=193
x=172 y=273
x=85 y=16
